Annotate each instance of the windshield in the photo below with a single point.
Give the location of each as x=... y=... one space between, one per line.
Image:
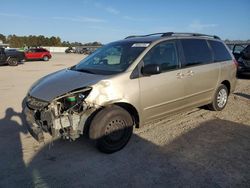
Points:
x=111 y=59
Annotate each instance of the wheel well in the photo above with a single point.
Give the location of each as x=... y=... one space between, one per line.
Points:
x=132 y=111
x=227 y=84
x=13 y=57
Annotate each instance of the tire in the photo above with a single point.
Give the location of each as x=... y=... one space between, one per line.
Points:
x=220 y=99
x=112 y=128
x=45 y=58
x=12 y=62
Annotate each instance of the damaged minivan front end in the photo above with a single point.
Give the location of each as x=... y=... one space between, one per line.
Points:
x=62 y=117
x=57 y=103
x=52 y=109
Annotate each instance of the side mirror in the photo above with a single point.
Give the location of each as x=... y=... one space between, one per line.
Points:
x=151 y=69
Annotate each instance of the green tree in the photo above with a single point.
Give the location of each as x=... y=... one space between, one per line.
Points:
x=2 y=38
x=34 y=41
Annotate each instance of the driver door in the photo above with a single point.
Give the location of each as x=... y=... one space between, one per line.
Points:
x=30 y=54
x=162 y=93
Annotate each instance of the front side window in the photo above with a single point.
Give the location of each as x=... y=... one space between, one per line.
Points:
x=31 y=50
x=111 y=59
x=196 y=51
x=163 y=54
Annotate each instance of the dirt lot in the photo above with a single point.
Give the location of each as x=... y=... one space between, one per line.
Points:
x=198 y=148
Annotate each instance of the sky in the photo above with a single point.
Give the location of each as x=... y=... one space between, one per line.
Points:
x=109 y=20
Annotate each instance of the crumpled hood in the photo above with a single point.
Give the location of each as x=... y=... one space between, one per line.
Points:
x=61 y=82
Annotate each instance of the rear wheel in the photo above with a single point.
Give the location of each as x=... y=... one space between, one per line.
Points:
x=220 y=99
x=13 y=62
x=45 y=58
x=112 y=128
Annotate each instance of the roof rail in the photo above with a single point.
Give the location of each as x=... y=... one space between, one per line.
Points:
x=169 y=34
x=189 y=34
x=133 y=36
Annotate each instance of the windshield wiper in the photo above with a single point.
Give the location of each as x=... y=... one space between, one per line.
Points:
x=84 y=70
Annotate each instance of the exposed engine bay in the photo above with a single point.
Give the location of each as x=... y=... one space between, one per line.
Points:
x=64 y=117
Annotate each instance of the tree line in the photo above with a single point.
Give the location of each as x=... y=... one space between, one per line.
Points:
x=32 y=40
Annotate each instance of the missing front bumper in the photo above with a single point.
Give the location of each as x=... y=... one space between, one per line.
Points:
x=34 y=129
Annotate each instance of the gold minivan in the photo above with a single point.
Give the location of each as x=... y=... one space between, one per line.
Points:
x=128 y=83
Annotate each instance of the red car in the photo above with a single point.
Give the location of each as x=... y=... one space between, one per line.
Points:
x=37 y=54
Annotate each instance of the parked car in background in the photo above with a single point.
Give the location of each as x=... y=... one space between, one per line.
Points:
x=237 y=49
x=70 y=50
x=37 y=54
x=129 y=83
x=80 y=50
x=242 y=55
x=91 y=50
x=11 y=57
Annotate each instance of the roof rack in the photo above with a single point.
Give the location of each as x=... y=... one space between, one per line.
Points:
x=133 y=36
x=169 y=34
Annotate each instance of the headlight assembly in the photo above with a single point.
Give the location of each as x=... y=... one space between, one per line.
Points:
x=74 y=100
x=36 y=103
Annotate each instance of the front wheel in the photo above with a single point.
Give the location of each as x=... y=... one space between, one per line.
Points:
x=220 y=99
x=112 y=128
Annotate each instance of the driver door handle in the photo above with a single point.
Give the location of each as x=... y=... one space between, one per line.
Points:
x=180 y=75
x=190 y=73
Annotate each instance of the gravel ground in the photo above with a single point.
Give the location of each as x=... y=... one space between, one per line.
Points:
x=198 y=148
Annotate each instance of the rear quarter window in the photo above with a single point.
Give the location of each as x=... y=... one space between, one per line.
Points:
x=196 y=51
x=41 y=50
x=220 y=52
